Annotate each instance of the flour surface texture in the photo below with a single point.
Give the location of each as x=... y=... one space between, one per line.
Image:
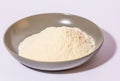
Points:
x=57 y=44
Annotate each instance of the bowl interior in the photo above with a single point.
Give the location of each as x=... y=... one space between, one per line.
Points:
x=34 y=24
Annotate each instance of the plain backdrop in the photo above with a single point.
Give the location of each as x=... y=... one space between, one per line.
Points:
x=105 y=66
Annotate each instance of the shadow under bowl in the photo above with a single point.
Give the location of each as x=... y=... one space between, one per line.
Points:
x=25 y=27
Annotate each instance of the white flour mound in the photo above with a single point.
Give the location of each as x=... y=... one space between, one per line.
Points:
x=57 y=44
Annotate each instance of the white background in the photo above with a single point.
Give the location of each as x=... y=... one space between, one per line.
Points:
x=105 y=66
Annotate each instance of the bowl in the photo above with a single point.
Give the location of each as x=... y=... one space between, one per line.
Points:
x=25 y=27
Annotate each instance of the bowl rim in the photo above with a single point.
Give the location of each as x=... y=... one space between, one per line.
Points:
x=68 y=14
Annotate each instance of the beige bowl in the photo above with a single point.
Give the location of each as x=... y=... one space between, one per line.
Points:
x=34 y=24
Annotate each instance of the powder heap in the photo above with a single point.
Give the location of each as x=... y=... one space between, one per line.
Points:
x=57 y=44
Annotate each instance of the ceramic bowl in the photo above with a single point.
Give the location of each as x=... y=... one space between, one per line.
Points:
x=25 y=27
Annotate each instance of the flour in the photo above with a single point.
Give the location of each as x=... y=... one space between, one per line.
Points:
x=57 y=44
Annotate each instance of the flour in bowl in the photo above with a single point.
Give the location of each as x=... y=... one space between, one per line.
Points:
x=57 y=44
